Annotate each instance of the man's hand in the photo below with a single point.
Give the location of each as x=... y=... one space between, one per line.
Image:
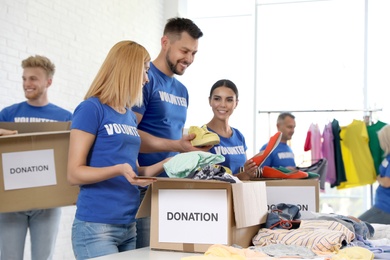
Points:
x=7 y=132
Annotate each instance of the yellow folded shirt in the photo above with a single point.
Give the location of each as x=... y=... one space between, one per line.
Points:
x=354 y=253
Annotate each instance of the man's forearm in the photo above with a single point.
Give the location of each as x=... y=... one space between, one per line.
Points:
x=153 y=144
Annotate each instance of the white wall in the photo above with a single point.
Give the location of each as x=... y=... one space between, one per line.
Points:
x=76 y=36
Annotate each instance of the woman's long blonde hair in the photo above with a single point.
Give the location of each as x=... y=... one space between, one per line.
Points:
x=384 y=139
x=119 y=80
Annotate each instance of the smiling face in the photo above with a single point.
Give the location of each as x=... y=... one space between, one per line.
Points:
x=35 y=85
x=223 y=101
x=180 y=52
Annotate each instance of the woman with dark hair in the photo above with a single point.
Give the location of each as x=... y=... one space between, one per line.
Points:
x=223 y=100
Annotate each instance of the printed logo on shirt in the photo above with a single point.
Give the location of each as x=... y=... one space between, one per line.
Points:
x=175 y=100
x=229 y=150
x=286 y=155
x=32 y=119
x=121 y=129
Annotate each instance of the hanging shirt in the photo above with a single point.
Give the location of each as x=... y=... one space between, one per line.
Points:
x=375 y=149
x=358 y=162
x=328 y=153
x=233 y=149
x=339 y=164
x=313 y=143
x=164 y=111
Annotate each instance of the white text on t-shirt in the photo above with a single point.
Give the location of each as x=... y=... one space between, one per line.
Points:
x=121 y=129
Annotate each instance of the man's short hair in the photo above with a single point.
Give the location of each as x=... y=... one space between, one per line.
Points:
x=40 y=62
x=177 y=25
x=283 y=115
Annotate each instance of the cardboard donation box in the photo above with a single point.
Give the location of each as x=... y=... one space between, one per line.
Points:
x=191 y=215
x=301 y=192
x=33 y=166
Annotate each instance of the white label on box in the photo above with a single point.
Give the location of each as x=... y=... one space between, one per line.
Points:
x=193 y=216
x=302 y=196
x=29 y=169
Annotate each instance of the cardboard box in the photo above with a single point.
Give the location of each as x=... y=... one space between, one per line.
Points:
x=33 y=167
x=301 y=192
x=191 y=215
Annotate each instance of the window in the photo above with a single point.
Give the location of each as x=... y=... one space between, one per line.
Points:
x=295 y=56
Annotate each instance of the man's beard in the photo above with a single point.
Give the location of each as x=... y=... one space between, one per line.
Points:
x=173 y=67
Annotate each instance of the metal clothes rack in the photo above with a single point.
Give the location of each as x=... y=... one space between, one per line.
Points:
x=367 y=119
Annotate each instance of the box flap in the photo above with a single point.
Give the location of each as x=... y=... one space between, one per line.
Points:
x=145 y=207
x=250 y=203
x=36 y=127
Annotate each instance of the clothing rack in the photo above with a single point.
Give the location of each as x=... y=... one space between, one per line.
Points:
x=367 y=119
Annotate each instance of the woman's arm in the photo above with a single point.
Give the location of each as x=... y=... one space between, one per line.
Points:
x=383 y=181
x=152 y=170
x=7 y=132
x=79 y=173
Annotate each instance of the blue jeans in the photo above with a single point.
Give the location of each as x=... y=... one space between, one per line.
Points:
x=143 y=227
x=43 y=225
x=97 y=239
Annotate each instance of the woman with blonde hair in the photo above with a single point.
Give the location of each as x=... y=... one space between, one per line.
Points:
x=103 y=150
x=380 y=211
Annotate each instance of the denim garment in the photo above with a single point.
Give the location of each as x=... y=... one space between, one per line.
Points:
x=281 y=213
x=143 y=226
x=96 y=239
x=43 y=226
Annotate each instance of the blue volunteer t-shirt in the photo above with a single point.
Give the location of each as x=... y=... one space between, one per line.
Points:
x=281 y=156
x=25 y=113
x=113 y=201
x=383 y=194
x=164 y=112
x=233 y=149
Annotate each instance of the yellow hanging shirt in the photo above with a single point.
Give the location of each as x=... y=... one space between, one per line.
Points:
x=357 y=158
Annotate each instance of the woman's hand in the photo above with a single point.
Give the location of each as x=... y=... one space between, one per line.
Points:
x=383 y=181
x=132 y=177
x=7 y=132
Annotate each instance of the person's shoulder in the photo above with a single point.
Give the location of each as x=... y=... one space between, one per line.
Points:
x=8 y=110
x=264 y=146
x=91 y=102
x=54 y=106
x=15 y=105
x=237 y=132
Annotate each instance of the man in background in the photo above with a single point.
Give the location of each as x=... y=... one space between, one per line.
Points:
x=282 y=155
x=43 y=224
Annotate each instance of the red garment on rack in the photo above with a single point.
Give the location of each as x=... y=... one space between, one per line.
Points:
x=307 y=145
